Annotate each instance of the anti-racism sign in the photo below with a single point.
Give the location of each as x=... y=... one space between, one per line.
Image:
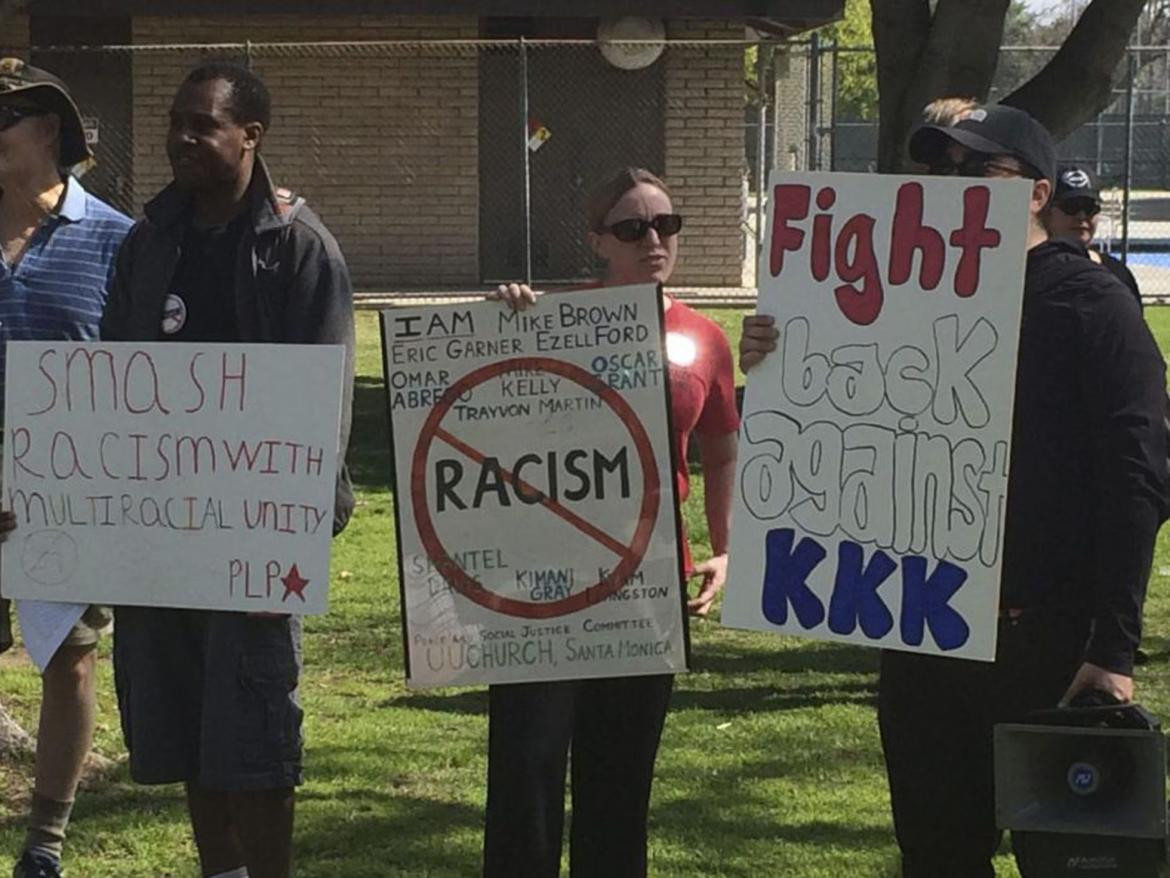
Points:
x=537 y=518
x=176 y=475
x=873 y=457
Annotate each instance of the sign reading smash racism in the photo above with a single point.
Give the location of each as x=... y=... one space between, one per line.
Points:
x=873 y=457
x=537 y=520
x=177 y=475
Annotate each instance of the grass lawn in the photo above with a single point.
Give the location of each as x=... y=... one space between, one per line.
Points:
x=769 y=765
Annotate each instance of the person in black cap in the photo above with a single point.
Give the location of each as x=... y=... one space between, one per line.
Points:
x=1073 y=215
x=57 y=249
x=1087 y=491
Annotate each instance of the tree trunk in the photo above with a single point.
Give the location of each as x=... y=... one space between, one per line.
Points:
x=923 y=56
x=14 y=741
x=1077 y=83
x=900 y=32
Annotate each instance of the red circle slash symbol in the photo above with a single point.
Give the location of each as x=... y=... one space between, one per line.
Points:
x=629 y=555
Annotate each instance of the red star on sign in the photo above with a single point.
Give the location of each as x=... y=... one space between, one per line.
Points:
x=294 y=583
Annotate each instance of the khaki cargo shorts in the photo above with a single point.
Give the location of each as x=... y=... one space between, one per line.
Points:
x=86 y=632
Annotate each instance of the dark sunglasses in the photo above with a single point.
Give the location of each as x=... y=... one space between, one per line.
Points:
x=631 y=230
x=975 y=164
x=1073 y=206
x=10 y=115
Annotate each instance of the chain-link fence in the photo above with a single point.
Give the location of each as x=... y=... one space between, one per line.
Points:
x=457 y=163
x=452 y=164
x=1127 y=145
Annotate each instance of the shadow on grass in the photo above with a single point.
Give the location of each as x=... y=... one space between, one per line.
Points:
x=767 y=821
x=411 y=836
x=356 y=824
x=727 y=699
x=369 y=439
x=757 y=699
x=343 y=827
x=467 y=703
x=1157 y=649
x=726 y=657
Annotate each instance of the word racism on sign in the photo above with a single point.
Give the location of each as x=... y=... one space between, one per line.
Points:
x=873 y=458
x=171 y=475
x=537 y=521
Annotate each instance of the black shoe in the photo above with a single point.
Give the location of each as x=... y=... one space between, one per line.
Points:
x=36 y=866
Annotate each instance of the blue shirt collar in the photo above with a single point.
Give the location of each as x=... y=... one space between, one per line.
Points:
x=73 y=204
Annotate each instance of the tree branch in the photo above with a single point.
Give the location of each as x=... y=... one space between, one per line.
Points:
x=1077 y=83
x=952 y=54
x=961 y=55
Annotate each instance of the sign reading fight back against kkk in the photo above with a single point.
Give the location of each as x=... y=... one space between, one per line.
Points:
x=174 y=475
x=873 y=456
x=537 y=518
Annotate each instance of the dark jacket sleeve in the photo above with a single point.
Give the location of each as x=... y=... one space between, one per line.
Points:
x=115 y=313
x=1123 y=377
x=321 y=307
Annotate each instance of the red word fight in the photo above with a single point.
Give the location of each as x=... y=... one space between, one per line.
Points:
x=846 y=249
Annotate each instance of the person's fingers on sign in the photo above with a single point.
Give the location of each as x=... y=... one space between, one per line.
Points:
x=7 y=523
x=758 y=340
x=516 y=296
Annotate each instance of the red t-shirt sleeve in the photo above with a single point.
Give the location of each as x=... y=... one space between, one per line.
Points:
x=719 y=414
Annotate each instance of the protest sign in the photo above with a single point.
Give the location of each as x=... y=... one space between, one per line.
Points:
x=176 y=475
x=873 y=456
x=536 y=512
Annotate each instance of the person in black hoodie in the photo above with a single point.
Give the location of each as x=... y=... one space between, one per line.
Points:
x=1087 y=492
x=1073 y=215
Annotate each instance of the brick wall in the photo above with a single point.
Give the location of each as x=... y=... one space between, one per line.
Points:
x=14 y=36
x=382 y=144
x=705 y=156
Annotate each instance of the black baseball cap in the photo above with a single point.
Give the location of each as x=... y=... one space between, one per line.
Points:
x=49 y=92
x=994 y=129
x=1076 y=183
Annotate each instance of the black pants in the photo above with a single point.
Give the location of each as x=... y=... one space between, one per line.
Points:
x=613 y=726
x=936 y=716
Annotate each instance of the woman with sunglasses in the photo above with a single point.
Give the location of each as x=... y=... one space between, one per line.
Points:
x=613 y=725
x=1072 y=215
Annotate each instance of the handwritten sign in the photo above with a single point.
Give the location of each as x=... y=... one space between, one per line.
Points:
x=537 y=520
x=176 y=475
x=873 y=458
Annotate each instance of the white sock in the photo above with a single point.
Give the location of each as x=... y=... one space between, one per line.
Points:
x=241 y=872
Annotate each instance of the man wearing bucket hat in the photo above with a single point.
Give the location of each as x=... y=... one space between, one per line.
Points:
x=1073 y=214
x=57 y=249
x=1087 y=490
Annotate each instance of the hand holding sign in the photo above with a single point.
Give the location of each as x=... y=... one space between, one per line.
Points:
x=757 y=341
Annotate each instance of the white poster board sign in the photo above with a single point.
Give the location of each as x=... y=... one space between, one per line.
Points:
x=171 y=475
x=536 y=511
x=873 y=456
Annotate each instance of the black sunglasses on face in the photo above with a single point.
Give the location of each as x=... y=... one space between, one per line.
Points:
x=1073 y=206
x=974 y=164
x=630 y=230
x=10 y=114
